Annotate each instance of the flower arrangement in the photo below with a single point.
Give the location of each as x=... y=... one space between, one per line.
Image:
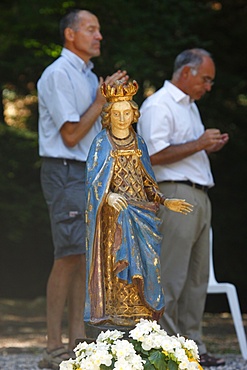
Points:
x=148 y=347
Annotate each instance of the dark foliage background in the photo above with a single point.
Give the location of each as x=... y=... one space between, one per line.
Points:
x=144 y=37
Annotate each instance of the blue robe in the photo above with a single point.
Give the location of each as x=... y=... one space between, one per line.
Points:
x=137 y=258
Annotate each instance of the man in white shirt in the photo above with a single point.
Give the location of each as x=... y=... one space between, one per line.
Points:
x=70 y=103
x=178 y=145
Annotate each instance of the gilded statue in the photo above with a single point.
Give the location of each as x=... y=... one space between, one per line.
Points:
x=123 y=239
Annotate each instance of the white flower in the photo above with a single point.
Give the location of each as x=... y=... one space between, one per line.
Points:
x=122 y=365
x=110 y=348
x=88 y=364
x=137 y=334
x=137 y=362
x=193 y=366
x=144 y=327
x=80 y=348
x=190 y=345
x=180 y=353
x=66 y=365
x=101 y=356
x=183 y=365
x=122 y=348
x=133 y=363
x=109 y=336
x=147 y=343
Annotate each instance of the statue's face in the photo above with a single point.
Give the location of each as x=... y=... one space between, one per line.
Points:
x=121 y=115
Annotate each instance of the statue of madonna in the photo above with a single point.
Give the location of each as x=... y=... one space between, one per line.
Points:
x=123 y=239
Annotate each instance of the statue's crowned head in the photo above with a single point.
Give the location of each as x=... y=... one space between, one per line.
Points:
x=119 y=91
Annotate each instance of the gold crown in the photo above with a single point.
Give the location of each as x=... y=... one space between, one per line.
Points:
x=119 y=91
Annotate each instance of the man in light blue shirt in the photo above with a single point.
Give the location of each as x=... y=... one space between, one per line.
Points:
x=70 y=103
x=72 y=75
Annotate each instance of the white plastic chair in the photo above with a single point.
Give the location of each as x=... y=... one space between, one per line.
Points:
x=229 y=289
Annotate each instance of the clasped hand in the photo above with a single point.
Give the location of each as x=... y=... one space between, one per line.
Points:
x=117 y=201
x=178 y=205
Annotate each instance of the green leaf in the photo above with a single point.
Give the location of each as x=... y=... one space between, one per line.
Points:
x=172 y=365
x=148 y=365
x=158 y=359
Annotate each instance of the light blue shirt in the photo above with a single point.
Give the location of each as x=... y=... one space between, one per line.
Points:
x=169 y=117
x=66 y=90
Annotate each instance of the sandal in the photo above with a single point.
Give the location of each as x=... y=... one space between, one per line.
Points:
x=53 y=359
x=207 y=361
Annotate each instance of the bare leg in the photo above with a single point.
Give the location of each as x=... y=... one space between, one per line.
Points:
x=76 y=302
x=59 y=284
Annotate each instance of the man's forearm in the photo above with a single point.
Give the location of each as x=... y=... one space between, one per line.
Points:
x=174 y=153
x=73 y=132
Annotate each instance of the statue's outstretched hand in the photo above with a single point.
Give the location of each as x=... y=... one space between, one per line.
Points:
x=178 y=205
x=117 y=201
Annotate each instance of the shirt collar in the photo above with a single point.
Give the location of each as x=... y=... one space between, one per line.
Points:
x=76 y=61
x=177 y=94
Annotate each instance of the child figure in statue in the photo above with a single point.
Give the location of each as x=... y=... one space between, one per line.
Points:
x=123 y=241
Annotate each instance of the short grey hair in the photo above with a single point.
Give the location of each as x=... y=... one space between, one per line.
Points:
x=189 y=57
x=70 y=20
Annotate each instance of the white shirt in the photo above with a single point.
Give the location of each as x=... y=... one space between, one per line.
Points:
x=66 y=89
x=168 y=117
